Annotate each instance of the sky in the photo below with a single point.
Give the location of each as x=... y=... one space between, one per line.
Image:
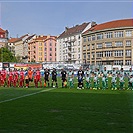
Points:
x=51 y=17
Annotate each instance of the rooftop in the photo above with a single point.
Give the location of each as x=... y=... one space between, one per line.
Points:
x=73 y=30
x=12 y=40
x=3 y=31
x=112 y=24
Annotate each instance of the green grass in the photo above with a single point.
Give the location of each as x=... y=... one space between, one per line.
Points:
x=66 y=111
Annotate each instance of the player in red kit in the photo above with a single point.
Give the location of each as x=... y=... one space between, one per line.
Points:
x=1 y=79
x=15 y=76
x=35 y=80
x=4 y=74
x=21 y=79
x=10 y=78
x=38 y=77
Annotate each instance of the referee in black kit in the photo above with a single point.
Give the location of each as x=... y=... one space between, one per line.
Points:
x=63 y=76
x=54 y=77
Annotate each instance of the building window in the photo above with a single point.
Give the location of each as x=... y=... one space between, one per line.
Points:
x=50 y=49
x=73 y=56
x=73 y=49
x=99 y=54
x=40 y=48
x=50 y=54
x=99 y=36
x=84 y=55
x=93 y=62
x=119 y=34
x=93 y=46
x=128 y=52
x=50 y=59
x=93 y=37
x=40 y=44
x=50 y=44
x=89 y=38
x=40 y=59
x=128 y=33
x=45 y=49
x=108 y=35
x=78 y=49
x=44 y=44
x=128 y=43
x=79 y=56
x=118 y=44
x=99 y=45
x=108 y=44
x=84 y=47
x=88 y=55
x=93 y=55
x=128 y=62
x=84 y=39
x=118 y=62
x=108 y=53
x=118 y=53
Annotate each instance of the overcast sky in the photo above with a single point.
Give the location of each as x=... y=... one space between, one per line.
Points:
x=51 y=17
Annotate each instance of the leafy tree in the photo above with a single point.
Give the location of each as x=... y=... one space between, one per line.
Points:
x=6 y=55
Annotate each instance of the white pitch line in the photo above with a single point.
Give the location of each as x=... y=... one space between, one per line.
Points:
x=12 y=99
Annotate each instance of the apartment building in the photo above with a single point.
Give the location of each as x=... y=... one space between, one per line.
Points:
x=11 y=46
x=3 y=37
x=42 y=49
x=69 y=44
x=25 y=47
x=19 y=44
x=109 y=43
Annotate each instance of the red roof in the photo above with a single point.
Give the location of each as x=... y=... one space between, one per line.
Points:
x=112 y=24
x=74 y=30
x=19 y=39
x=1 y=30
x=41 y=38
x=12 y=40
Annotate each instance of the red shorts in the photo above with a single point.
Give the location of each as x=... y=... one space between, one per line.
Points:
x=38 y=78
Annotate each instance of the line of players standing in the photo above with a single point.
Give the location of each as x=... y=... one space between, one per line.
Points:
x=23 y=78
x=95 y=75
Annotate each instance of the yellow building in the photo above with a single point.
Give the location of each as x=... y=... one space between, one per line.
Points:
x=109 y=43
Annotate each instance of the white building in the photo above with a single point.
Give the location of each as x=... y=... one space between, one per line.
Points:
x=19 y=46
x=69 y=44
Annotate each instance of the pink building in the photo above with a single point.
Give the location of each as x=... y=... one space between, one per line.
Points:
x=42 y=49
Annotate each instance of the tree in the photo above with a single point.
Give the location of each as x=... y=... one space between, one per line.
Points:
x=6 y=55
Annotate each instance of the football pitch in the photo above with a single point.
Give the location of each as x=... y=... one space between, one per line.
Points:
x=64 y=110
